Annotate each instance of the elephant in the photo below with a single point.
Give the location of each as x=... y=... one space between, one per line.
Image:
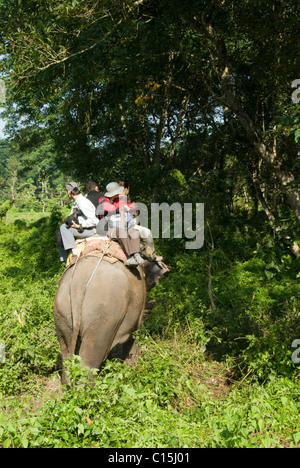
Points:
x=98 y=307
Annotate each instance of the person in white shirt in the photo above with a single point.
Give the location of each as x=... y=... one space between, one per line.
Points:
x=80 y=224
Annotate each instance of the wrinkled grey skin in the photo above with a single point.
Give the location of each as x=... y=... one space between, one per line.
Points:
x=101 y=317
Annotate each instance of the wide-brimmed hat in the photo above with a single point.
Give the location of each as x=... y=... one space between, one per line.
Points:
x=113 y=189
x=71 y=186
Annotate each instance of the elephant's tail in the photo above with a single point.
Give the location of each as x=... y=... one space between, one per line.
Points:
x=76 y=300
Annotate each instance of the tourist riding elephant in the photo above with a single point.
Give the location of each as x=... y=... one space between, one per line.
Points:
x=97 y=307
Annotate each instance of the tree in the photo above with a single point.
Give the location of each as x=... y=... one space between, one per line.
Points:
x=227 y=94
x=146 y=88
x=4 y=156
x=29 y=176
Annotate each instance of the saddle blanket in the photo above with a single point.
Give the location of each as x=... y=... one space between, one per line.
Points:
x=96 y=246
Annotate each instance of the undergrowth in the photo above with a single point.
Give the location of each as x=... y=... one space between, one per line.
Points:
x=210 y=374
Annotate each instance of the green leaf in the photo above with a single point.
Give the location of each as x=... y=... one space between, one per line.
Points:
x=245 y=432
x=284 y=401
x=297 y=135
x=149 y=405
x=261 y=424
x=7 y=443
x=80 y=428
x=266 y=443
x=269 y=274
x=24 y=442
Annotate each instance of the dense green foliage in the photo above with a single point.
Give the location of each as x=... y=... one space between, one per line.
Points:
x=207 y=377
x=192 y=103
x=138 y=89
x=30 y=179
x=27 y=290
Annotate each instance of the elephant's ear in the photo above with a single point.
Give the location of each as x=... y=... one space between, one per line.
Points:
x=154 y=271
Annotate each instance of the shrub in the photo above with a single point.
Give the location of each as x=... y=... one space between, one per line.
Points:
x=255 y=319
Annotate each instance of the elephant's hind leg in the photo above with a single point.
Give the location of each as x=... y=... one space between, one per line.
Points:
x=96 y=342
x=64 y=338
x=124 y=345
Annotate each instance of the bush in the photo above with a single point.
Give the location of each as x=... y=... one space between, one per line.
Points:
x=181 y=393
x=29 y=272
x=254 y=319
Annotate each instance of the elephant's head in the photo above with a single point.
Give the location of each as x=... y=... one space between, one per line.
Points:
x=153 y=272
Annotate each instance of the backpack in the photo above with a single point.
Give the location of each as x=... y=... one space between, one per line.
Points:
x=100 y=212
x=114 y=221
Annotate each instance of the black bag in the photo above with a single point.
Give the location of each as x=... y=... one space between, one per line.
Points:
x=70 y=219
x=73 y=218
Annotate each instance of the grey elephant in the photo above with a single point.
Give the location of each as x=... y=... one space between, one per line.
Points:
x=98 y=307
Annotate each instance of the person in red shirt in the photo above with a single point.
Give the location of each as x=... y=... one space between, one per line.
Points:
x=121 y=223
x=114 y=203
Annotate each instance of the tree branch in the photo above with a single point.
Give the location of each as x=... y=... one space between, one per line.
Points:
x=229 y=100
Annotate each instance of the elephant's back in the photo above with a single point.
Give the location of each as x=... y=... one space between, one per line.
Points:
x=90 y=269
x=94 y=277
x=103 y=284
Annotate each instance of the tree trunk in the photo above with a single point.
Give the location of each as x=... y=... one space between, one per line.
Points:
x=261 y=198
x=294 y=246
x=231 y=103
x=14 y=178
x=180 y=119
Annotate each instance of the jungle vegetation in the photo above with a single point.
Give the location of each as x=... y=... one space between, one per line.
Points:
x=191 y=102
